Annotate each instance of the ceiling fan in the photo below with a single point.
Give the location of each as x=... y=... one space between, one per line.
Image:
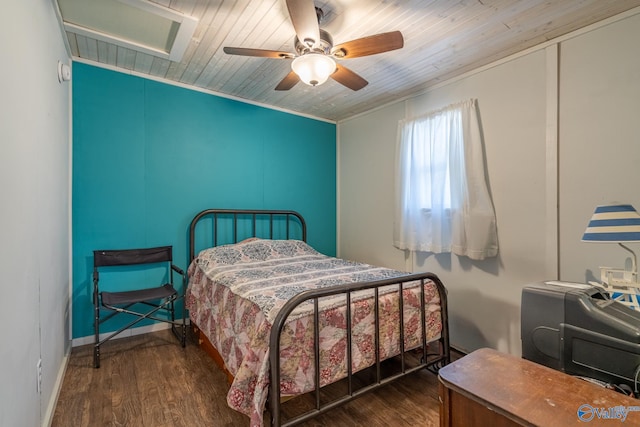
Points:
x=313 y=62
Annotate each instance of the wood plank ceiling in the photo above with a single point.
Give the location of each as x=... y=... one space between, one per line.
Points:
x=443 y=39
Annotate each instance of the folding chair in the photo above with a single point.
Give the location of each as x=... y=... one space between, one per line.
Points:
x=157 y=300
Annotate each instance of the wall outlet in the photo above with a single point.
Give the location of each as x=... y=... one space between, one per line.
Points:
x=39 y=372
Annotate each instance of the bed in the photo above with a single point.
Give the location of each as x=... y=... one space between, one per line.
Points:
x=284 y=320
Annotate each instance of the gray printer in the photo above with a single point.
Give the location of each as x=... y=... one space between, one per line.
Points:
x=580 y=330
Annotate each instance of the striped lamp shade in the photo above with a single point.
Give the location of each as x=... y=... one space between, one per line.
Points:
x=613 y=223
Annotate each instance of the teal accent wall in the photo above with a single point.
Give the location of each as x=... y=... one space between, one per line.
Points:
x=148 y=156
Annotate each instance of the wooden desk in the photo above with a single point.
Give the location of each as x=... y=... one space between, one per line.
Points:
x=489 y=388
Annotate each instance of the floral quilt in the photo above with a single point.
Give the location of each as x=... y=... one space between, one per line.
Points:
x=235 y=292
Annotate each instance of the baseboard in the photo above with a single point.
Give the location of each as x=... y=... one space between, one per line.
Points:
x=160 y=326
x=53 y=401
x=459 y=350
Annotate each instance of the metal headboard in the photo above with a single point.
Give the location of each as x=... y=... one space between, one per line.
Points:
x=255 y=216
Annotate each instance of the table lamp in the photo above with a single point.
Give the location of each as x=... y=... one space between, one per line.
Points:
x=617 y=223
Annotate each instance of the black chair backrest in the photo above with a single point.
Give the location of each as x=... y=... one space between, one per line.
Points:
x=105 y=258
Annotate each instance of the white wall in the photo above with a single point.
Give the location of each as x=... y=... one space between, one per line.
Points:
x=34 y=218
x=599 y=141
x=518 y=104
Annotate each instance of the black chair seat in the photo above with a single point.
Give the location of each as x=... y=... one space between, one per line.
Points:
x=129 y=297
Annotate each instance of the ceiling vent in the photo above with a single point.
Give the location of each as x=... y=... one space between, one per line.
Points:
x=134 y=24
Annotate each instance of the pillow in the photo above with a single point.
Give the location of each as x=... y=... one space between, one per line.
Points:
x=252 y=250
x=249 y=240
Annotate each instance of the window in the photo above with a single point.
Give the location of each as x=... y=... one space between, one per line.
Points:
x=429 y=161
x=442 y=200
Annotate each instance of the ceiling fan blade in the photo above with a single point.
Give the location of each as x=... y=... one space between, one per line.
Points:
x=305 y=21
x=348 y=78
x=288 y=82
x=262 y=53
x=370 y=45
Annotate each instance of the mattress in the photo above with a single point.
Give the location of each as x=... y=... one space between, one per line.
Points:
x=235 y=292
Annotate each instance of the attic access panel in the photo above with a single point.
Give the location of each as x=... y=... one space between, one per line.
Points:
x=135 y=24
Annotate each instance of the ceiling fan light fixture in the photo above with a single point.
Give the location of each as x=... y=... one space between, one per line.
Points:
x=313 y=68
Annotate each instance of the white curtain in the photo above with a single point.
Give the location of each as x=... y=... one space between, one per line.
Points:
x=442 y=199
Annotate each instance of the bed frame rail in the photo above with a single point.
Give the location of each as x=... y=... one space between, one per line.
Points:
x=429 y=361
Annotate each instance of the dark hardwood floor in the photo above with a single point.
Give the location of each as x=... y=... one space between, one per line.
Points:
x=149 y=380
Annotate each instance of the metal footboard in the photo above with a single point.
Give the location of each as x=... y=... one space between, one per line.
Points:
x=428 y=361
